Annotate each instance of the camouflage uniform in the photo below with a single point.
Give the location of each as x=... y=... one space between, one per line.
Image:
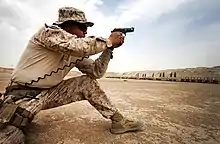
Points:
x=50 y=54
x=71 y=90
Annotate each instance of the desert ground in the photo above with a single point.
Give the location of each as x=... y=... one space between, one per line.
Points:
x=172 y=112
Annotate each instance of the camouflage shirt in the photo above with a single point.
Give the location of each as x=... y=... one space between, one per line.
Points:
x=52 y=52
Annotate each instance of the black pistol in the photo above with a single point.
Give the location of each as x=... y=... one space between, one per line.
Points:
x=123 y=30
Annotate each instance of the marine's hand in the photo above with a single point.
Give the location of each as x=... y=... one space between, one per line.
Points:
x=117 y=39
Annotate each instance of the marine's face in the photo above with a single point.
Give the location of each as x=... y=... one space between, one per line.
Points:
x=80 y=30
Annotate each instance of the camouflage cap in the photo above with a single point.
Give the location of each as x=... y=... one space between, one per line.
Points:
x=74 y=14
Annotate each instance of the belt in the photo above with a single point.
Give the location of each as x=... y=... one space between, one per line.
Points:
x=15 y=86
x=13 y=114
x=17 y=92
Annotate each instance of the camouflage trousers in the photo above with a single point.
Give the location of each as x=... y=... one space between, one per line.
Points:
x=68 y=91
x=72 y=90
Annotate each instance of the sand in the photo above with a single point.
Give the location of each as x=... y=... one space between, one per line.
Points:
x=172 y=112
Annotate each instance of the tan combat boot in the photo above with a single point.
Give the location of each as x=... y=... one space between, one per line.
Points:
x=121 y=125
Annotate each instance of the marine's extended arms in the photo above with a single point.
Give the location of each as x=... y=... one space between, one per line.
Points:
x=124 y=31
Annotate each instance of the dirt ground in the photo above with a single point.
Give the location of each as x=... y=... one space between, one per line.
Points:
x=178 y=113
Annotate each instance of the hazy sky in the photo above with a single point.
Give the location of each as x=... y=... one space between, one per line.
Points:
x=168 y=33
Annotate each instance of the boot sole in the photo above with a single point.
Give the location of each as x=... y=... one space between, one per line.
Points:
x=114 y=131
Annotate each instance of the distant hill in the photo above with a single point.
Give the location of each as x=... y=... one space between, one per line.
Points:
x=216 y=67
x=5 y=74
x=3 y=69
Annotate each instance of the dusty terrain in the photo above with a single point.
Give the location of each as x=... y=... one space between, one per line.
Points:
x=173 y=112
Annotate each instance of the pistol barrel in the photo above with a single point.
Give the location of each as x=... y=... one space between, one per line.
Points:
x=124 y=30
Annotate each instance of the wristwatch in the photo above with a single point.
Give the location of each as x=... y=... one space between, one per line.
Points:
x=109 y=46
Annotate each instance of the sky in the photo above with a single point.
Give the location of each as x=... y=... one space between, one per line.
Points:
x=168 y=33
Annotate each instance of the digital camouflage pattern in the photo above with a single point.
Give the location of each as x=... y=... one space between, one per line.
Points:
x=54 y=52
x=57 y=39
x=74 y=14
x=71 y=90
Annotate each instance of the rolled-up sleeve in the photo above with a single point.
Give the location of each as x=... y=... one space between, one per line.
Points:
x=97 y=68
